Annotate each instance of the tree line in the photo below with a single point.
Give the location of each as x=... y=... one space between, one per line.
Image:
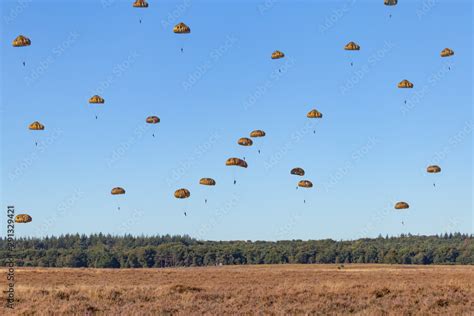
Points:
x=107 y=251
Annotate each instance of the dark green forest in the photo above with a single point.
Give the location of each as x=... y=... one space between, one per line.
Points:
x=107 y=251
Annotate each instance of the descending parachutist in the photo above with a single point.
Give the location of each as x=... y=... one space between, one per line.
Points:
x=390 y=16
x=36 y=143
x=314 y=132
x=205 y=200
x=279 y=70
x=449 y=68
x=96 y=117
x=434 y=184
x=181 y=50
x=153 y=134
x=235 y=181
x=24 y=64
x=140 y=21
x=403 y=223
x=185 y=214
x=118 y=208
x=259 y=151
x=304 y=201
x=352 y=64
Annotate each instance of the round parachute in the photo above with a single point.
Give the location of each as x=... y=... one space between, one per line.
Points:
x=207 y=181
x=314 y=114
x=447 y=52
x=257 y=133
x=182 y=193
x=297 y=171
x=433 y=169
x=305 y=184
x=36 y=126
x=118 y=190
x=96 y=99
x=140 y=4
x=405 y=84
x=401 y=205
x=244 y=141
x=236 y=162
x=277 y=55
x=390 y=2
x=23 y=218
x=352 y=46
x=181 y=28
x=21 y=41
x=152 y=119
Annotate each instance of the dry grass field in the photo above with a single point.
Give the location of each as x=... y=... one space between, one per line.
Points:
x=276 y=289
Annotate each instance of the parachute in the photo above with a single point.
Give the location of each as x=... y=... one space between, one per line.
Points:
x=405 y=84
x=401 y=205
x=352 y=46
x=433 y=169
x=236 y=162
x=23 y=218
x=447 y=52
x=181 y=28
x=96 y=100
x=207 y=181
x=257 y=133
x=117 y=190
x=153 y=119
x=182 y=193
x=314 y=114
x=140 y=4
x=305 y=184
x=21 y=41
x=297 y=171
x=277 y=55
x=390 y=2
x=36 y=126
x=244 y=141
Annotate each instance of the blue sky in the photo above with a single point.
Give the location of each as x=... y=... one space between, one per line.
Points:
x=369 y=150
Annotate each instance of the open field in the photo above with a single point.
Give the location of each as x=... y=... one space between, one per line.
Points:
x=277 y=289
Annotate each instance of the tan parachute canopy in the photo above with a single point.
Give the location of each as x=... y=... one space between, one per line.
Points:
x=236 y=162
x=96 y=99
x=182 y=193
x=352 y=46
x=314 y=114
x=181 y=28
x=36 y=126
x=305 y=184
x=405 y=84
x=433 y=169
x=297 y=171
x=257 y=133
x=244 y=141
x=152 y=119
x=447 y=52
x=207 y=181
x=23 y=218
x=390 y=2
x=140 y=4
x=277 y=55
x=118 y=190
x=401 y=205
x=21 y=41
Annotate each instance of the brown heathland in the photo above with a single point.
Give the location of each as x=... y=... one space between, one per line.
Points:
x=275 y=289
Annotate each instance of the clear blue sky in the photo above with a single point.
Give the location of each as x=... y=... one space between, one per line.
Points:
x=369 y=151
